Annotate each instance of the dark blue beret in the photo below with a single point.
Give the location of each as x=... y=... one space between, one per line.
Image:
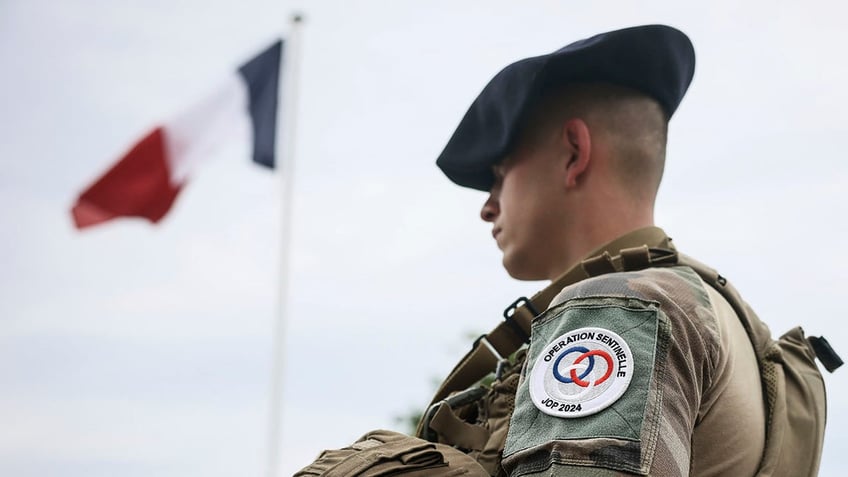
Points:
x=657 y=60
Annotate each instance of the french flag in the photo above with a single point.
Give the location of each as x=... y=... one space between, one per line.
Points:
x=146 y=180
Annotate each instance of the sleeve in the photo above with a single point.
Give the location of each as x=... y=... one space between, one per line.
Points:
x=614 y=378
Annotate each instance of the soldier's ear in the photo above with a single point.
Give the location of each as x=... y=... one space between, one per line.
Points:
x=577 y=147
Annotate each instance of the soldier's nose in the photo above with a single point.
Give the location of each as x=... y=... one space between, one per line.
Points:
x=490 y=210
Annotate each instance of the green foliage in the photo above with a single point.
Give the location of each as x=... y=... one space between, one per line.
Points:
x=408 y=422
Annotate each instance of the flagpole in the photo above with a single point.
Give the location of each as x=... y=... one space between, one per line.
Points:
x=290 y=73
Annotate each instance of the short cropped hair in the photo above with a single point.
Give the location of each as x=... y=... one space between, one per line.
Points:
x=631 y=123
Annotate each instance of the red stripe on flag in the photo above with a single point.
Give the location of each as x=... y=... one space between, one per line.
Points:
x=138 y=185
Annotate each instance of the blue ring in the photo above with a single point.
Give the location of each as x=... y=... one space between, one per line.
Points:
x=576 y=349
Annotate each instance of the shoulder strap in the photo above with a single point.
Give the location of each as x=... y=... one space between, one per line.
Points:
x=792 y=385
x=757 y=330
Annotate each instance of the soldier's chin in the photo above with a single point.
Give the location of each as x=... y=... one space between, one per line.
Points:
x=522 y=269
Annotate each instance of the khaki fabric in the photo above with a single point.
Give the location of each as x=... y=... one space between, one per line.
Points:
x=384 y=453
x=490 y=415
x=731 y=423
x=793 y=388
x=702 y=413
x=805 y=407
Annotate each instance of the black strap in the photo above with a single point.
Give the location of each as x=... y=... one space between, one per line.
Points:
x=825 y=353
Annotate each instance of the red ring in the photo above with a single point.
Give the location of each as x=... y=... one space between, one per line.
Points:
x=594 y=352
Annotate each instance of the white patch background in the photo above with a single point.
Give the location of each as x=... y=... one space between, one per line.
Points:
x=560 y=399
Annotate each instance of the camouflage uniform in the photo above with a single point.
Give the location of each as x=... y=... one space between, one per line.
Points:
x=694 y=404
x=639 y=365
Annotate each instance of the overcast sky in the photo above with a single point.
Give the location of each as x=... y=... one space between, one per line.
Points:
x=140 y=350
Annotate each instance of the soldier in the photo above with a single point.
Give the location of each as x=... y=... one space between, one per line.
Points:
x=640 y=361
x=641 y=372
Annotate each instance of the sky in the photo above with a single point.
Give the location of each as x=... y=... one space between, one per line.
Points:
x=136 y=350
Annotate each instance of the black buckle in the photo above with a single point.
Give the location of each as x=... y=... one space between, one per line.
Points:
x=510 y=312
x=825 y=353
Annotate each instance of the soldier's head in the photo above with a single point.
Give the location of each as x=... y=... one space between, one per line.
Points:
x=571 y=145
x=585 y=168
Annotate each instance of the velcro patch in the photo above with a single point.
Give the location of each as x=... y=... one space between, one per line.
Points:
x=581 y=372
x=591 y=395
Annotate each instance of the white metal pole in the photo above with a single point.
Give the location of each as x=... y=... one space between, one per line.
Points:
x=285 y=164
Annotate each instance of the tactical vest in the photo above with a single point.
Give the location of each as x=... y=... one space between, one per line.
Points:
x=475 y=419
x=384 y=453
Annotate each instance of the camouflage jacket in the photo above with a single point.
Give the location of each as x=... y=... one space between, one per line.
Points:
x=647 y=372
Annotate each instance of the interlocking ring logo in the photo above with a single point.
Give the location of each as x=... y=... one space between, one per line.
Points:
x=580 y=372
x=576 y=365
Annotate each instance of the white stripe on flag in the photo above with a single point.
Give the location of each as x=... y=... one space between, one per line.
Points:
x=192 y=136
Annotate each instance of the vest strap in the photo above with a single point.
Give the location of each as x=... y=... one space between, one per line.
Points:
x=600 y=265
x=462 y=434
x=636 y=258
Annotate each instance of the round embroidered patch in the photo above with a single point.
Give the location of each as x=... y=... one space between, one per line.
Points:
x=581 y=373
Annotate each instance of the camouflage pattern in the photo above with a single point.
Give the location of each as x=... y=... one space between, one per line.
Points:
x=630 y=424
x=694 y=408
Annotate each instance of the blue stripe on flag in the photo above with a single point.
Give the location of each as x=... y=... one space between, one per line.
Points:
x=262 y=74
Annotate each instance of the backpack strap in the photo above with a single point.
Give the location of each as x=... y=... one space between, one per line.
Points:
x=758 y=331
x=768 y=357
x=793 y=387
